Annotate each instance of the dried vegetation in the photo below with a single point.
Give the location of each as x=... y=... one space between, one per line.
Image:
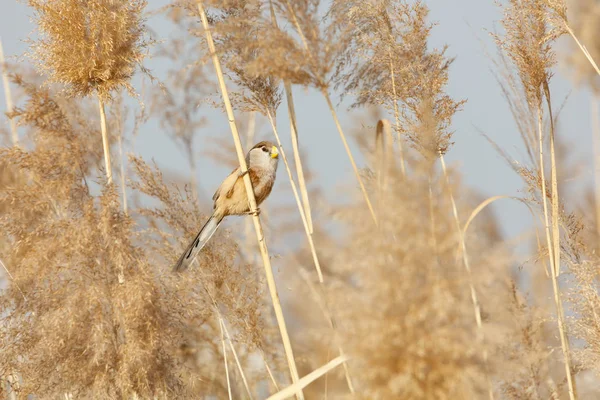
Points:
x=407 y=290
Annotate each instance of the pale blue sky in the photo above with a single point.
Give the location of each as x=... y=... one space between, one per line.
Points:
x=462 y=24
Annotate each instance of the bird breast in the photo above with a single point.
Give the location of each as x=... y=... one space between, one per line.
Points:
x=234 y=200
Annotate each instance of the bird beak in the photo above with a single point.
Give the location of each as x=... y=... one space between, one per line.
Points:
x=274 y=152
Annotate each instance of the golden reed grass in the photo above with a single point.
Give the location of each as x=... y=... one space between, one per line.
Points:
x=425 y=303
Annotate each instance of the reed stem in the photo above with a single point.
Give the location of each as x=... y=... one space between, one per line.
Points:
x=8 y=97
x=554 y=268
x=397 y=116
x=467 y=264
x=253 y=207
x=294 y=134
x=349 y=152
x=105 y=144
x=298 y=202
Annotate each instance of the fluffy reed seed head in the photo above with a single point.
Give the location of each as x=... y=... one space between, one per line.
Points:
x=528 y=39
x=388 y=62
x=89 y=45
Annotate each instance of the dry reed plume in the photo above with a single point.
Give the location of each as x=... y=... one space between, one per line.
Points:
x=90 y=47
x=429 y=302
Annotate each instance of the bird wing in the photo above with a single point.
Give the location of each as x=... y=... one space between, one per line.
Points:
x=227 y=184
x=254 y=178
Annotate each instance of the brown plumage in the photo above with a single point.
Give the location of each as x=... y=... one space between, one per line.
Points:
x=231 y=199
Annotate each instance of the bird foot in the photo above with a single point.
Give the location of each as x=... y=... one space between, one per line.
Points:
x=241 y=174
x=254 y=213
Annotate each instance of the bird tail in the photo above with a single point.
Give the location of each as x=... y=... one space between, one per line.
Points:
x=198 y=243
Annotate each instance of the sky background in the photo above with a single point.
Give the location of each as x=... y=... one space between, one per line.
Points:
x=465 y=26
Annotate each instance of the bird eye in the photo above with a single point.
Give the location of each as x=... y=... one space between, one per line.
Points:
x=264 y=149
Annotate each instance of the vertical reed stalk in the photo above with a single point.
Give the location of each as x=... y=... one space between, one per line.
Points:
x=397 y=116
x=384 y=142
x=327 y=313
x=556 y=243
x=225 y=358
x=298 y=202
x=248 y=223
x=236 y=358
x=297 y=158
x=554 y=184
x=554 y=268
x=325 y=94
x=273 y=381
x=431 y=215
x=252 y=202
x=294 y=134
x=105 y=144
x=8 y=97
x=467 y=264
x=349 y=152
x=122 y=168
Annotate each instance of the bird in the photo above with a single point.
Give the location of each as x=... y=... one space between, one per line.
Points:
x=231 y=198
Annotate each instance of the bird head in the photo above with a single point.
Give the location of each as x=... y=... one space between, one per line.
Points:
x=263 y=154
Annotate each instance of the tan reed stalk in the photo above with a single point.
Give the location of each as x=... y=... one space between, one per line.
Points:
x=308 y=379
x=224 y=330
x=325 y=94
x=262 y=354
x=122 y=166
x=236 y=358
x=8 y=97
x=13 y=280
x=327 y=313
x=233 y=351
x=554 y=267
x=121 y=274
x=252 y=202
x=554 y=183
x=385 y=150
x=397 y=116
x=248 y=223
x=228 y=336
x=225 y=358
x=298 y=202
x=596 y=143
x=294 y=134
x=431 y=215
x=379 y=151
x=583 y=49
x=544 y=199
x=467 y=264
x=105 y=143
x=349 y=152
x=564 y=340
x=297 y=158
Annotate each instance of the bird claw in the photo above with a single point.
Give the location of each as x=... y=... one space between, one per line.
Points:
x=241 y=174
x=253 y=212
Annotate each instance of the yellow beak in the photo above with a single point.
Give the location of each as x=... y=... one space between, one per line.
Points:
x=274 y=152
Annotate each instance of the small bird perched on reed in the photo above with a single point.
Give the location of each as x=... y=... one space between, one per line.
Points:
x=231 y=199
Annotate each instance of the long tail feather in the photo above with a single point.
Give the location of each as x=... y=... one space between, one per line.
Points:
x=198 y=243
